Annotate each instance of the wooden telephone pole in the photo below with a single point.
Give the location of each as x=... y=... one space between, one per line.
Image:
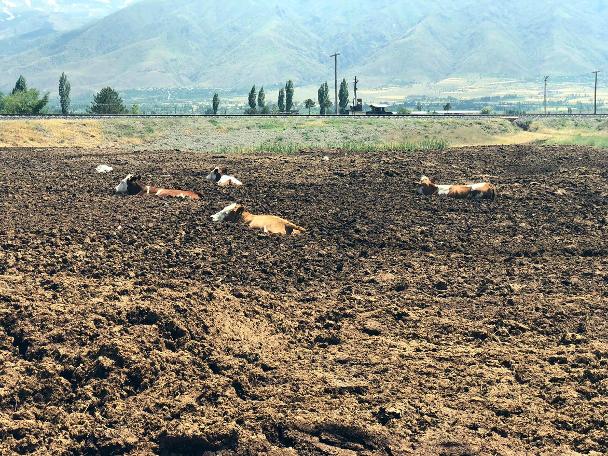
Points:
x=335 y=56
x=545 y=103
x=595 y=94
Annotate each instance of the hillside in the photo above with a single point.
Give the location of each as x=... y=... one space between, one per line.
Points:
x=26 y=18
x=232 y=43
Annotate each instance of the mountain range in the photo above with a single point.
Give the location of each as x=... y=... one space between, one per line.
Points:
x=234 y=43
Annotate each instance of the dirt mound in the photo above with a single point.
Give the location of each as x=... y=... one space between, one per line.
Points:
x=396 y=325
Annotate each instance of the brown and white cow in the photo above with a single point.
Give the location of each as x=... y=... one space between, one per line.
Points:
x=130 y=185
x=269 y=223
x=482 y=190
x=220 y=176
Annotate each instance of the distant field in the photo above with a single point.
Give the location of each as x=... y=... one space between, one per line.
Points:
x=285 y=135
x=583 y=132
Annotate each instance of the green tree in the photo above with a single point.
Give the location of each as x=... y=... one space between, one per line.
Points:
x=107 y=101
x=252 y=101
x=1 y=102
x=323 y=97
x=26 y=102
x=447 y=107
x=309 y=104
x=261 y=99
x=20 y=85
x=282 y=100
x=216 y=103
x=135 y=110
x=343 y=96
x=418 y=106
x=486 y=111
x=289 y=96
x=64 y=94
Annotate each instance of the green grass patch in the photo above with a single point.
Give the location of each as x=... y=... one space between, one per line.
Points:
x=280 y=147
x=406 y=146
x=269 y=125
x=124 y=129
x=581 y=140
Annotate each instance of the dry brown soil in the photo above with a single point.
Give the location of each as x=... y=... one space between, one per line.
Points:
x=396 y=325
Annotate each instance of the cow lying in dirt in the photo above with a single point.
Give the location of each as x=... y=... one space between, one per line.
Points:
x=130 y=185
x=269 y=223
x=220 y=176
x=483 y=190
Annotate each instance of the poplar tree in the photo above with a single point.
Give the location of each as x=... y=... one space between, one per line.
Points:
x=252 y=100
x=216 y=103
x=323 y=98
x=289 y=96
x=20 y=85
x=281 y=100
x=64 y=94
x=343 y=96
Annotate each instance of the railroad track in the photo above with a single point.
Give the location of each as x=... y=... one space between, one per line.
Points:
x=395 y=116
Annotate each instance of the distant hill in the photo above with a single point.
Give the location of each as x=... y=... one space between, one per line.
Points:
x=235 y=43
x=22 y=17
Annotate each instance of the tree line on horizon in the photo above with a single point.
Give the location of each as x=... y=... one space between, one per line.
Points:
x=257 y=100
x=28 y=101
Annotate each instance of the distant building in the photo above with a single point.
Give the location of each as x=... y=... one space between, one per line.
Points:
x=378 y=110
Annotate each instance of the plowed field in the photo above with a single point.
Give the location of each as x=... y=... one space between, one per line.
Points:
x=397 y=324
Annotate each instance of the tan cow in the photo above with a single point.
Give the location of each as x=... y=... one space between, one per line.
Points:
x=269 y=223
x=130 y=185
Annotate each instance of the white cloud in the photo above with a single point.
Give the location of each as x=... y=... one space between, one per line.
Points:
x=7 y=7
x=10 y=8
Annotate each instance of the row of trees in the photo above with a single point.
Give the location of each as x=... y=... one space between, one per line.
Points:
x=257 y=100
x=26 y=101
x=325 y=103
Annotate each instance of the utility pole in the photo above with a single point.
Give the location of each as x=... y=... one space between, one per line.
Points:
x=335 y=56
x=595 y=94
x=545 y=103
x=355 y=104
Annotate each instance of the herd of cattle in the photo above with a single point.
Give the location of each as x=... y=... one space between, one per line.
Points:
x=272 y=224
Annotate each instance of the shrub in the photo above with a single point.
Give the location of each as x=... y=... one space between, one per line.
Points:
x=26 y=102
x=107 y=101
